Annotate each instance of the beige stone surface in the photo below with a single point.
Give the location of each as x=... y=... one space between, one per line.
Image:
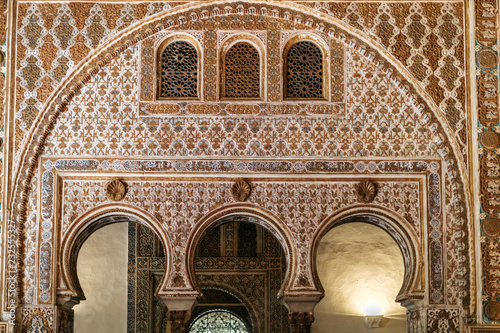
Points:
x=358 y=263
x=102 y=270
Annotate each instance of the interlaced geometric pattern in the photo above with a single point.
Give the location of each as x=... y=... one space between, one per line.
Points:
x=218 y=321
x=179 y=70
x=304 y=76
x=242 y=72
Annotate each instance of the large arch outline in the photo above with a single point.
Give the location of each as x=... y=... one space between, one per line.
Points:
x=62 y=96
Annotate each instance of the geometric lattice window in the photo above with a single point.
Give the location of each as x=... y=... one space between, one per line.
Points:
x=247 y=240
x=179 y=71
x=304 y=72
x=218 y=321
x=242 y=72
x=210 y=244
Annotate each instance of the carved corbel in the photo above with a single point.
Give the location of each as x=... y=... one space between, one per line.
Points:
x=67 y=301
x=300 y=311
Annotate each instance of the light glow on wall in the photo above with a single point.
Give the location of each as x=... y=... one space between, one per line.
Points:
x=359 y=264
x=372 y=309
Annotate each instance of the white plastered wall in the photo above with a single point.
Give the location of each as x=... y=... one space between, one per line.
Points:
x=102 y=271
x=358 y=263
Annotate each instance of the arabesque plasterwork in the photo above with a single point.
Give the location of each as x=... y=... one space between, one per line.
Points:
x=86 y=117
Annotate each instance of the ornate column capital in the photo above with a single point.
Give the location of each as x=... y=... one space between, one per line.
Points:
x=300 y=322
x=179 y=302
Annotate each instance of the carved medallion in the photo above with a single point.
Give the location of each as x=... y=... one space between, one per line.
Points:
x=366 y=191
x=116 y=190
x=492 y=310
x=241 y=190
x=491 y=226
x=490 y=139
x=486 y=59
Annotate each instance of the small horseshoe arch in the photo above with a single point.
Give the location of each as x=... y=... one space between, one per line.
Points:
x=255 y=215
x=395 y=226
x=69 y=291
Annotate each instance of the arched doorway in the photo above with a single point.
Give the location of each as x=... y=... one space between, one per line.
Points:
x=240 y=267
x=102 y=272
x=361 y=269
x=119 y=268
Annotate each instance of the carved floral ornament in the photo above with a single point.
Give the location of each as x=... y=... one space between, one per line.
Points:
x=241 y=190
x=366 y=191
x=74 y=86
x=116 y=190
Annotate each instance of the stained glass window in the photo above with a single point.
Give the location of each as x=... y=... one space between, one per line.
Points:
x=304 y=76
x=179 y=71
x=218 y=321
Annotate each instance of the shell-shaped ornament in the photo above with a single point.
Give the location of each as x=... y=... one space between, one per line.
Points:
x=116 y=190
x=241 y=190
x=366 y=191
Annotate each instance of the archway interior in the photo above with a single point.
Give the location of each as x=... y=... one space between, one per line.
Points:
x=120 y=267
x=102 y=272
x=361 y=269
x=244 y=260
x=214 y=310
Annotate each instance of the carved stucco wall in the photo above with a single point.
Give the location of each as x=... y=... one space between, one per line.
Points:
x=358 y=263
x=102 y=270
x=105 y=131
x=433 y=30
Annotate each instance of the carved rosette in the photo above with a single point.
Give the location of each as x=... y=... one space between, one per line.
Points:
x=366 y=191
x=492 y=310
x=491 y=226
x=300 y=322
x=116 y=190
x=490 y=139
x=241 y=190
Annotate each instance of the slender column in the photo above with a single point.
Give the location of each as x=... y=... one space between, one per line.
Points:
x=300 y=322
x=178 y=321
x=300 y=311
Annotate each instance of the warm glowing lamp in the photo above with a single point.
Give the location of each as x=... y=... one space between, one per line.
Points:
x=373 y=314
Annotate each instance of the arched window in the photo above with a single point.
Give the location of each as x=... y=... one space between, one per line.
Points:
x=304 y=71
x=178 y=71
x=219 y=321
x=241 y=76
